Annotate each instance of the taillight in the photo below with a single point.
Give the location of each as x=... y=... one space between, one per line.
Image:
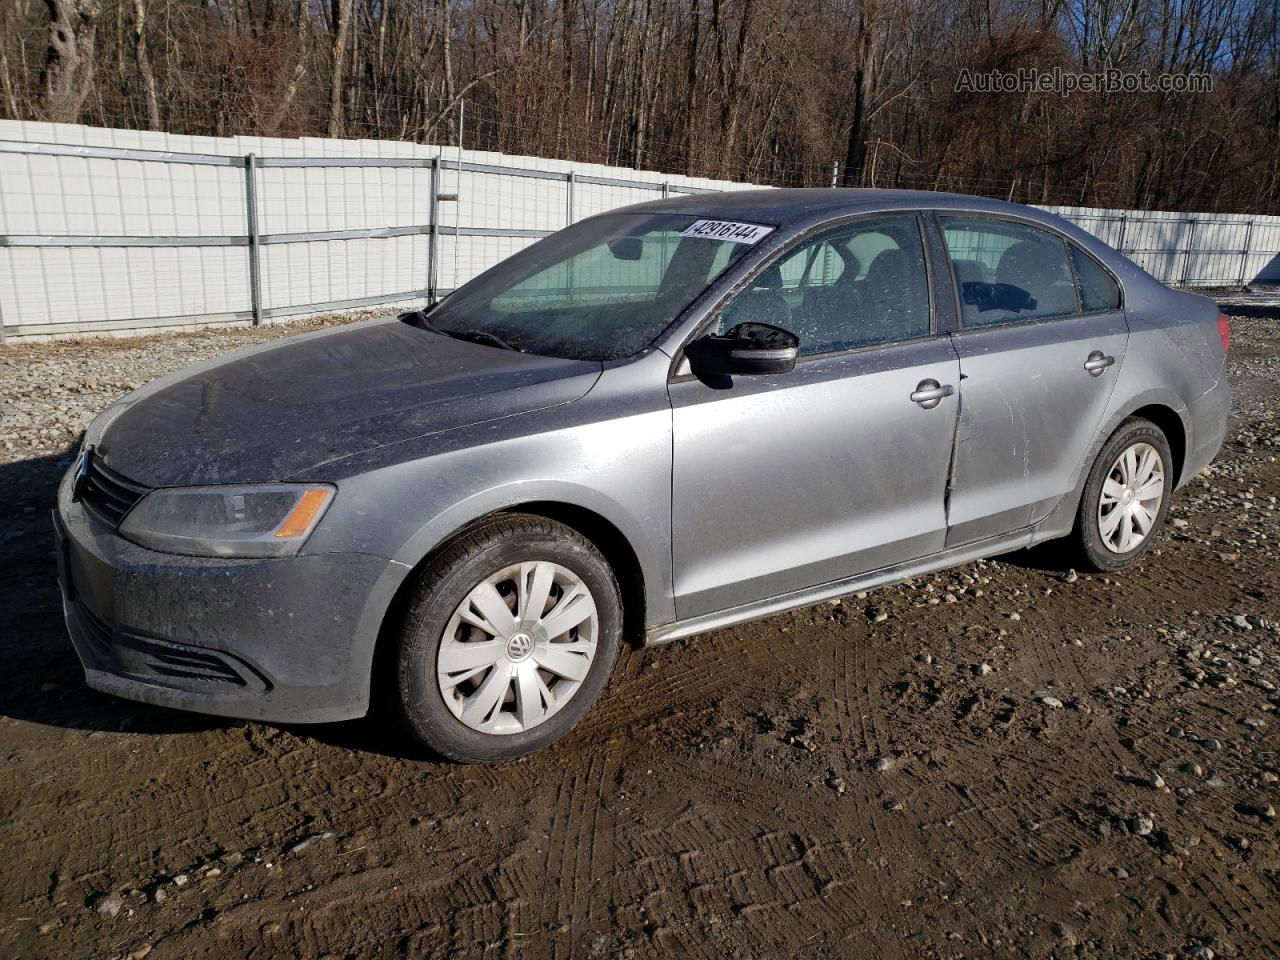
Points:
x=1224 y=331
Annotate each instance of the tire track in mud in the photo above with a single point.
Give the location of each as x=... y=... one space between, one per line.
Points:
x=860 y=694
x=659 y=692
x=724 y=877
x=579 y=855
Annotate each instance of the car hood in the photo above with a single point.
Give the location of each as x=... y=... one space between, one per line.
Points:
x=271 y=412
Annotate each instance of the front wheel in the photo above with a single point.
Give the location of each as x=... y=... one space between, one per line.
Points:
x=509 y=639
x=1126 y=497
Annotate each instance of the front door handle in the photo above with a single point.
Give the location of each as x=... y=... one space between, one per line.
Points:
x=930 y=393
x=1097 y=363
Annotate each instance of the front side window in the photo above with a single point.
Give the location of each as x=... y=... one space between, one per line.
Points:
x=601 y=289
x=859 y=285
x=1097 y=290
x=1008 y=272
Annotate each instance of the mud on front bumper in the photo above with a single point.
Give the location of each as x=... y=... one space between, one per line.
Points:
x=286 y=640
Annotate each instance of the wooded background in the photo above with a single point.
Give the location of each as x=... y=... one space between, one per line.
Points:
x=770 y=91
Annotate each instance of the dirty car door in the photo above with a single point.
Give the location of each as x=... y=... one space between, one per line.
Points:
x=1041 y=341
x=782 y=482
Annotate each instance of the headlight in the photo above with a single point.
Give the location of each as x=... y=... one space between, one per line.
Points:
x=268 y=520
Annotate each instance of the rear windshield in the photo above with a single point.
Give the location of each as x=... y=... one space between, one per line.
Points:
x=601 y=289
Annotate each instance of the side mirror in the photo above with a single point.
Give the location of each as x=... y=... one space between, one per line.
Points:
x=760 y=348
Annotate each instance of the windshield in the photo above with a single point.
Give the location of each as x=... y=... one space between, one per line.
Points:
x=601 y=289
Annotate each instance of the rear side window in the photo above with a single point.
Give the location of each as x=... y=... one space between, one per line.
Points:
x=1097 y=290
x=1008 y=272
x=859 y=285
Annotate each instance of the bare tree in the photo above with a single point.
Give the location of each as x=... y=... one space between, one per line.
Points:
x=341 y=27
x=6 y=75
x=769 y=90
x=144 y=63
x=67 y=79
x=867 y=38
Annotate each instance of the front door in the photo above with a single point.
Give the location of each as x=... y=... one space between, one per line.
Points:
x=784 y=482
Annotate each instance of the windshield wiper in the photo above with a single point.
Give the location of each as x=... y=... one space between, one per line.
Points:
x=479 y=336
x=418 y=318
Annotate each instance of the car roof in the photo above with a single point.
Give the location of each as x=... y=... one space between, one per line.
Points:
x=789 y=206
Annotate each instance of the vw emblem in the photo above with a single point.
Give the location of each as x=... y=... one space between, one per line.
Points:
x=81 y=479
x=519 y=646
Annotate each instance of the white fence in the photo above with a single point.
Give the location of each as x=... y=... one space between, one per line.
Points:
x=111 y=231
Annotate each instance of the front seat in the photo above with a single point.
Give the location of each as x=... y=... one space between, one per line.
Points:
x=761 y=304
x=828 y=309
x=884 y=315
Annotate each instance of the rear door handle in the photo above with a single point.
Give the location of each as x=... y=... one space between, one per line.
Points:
x=1098 y=362
x=930 y=393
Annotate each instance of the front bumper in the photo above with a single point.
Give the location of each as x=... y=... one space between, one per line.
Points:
x=286 y=639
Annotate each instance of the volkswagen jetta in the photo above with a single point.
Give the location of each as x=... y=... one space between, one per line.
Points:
x=669 y=418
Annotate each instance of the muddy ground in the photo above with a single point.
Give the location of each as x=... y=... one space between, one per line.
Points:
x=1005 y=760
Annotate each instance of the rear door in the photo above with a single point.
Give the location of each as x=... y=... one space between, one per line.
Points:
x=1041 y=339
x=783 y=482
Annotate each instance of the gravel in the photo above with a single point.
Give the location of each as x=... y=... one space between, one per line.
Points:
x=53 y=390
x=110 y=905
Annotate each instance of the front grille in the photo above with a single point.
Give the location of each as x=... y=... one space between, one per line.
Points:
x=106 y=494
x=165 y=660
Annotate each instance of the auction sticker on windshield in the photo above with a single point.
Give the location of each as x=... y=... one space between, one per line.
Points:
x=730 y=230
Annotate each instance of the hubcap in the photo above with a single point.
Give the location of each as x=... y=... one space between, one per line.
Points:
x=518 y=647
x=1131 y=497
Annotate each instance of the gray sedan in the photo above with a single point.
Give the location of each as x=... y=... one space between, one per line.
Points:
x=667 y=419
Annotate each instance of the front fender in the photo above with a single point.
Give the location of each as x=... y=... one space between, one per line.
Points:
x=652 y=552
x=618 y=468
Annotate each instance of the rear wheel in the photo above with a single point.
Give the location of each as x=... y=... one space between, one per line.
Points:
x=509 y=639
x=1126 y=497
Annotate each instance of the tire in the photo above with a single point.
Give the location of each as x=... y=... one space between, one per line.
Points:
x=1101 y=545
x=504 y=685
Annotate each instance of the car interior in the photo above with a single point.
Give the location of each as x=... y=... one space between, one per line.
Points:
x=856 y=286
x=1007 y=271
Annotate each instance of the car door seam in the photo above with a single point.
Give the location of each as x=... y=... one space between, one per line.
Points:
x=955 y=437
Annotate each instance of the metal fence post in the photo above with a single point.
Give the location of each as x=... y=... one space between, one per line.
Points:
x=666 y=189
x=433 y=237
x=251 y=216
x=1244 y=254
x=1124 y=224
x=457 y=192
x=1191 y=246
x=569 y=180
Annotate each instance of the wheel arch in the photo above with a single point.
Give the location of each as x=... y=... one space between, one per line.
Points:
x=1175 y=431
x=613 y=544
x=603 y=533
x=1163 y=409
